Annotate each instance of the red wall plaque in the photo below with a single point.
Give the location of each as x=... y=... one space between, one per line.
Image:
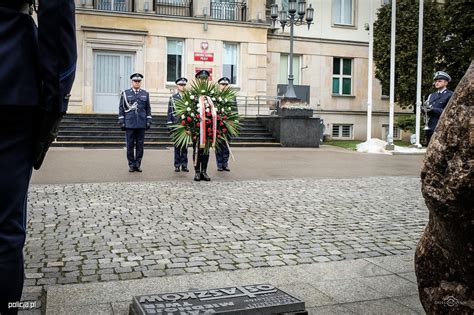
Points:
x=203 y=56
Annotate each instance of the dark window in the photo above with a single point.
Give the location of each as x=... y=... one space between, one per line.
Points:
x=174 y=60
x=342 y=80
x=229 y=66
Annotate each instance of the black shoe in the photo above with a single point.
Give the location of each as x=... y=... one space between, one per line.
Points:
x=176 y=169
x=204 y=176
x=197 y=176
x=226 y=169
x=131 y=169
x=137 y=169
x=184 y=169
x=220 y=169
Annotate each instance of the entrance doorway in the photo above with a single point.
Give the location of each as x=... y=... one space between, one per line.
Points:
x=111 y=76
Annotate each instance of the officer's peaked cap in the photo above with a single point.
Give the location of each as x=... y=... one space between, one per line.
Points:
x=136 y=77
x=224 y=80
x=181 y=80
x=441 y=75
x=202 y=74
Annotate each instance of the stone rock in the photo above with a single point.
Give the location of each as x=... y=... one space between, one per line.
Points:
x=444 y=260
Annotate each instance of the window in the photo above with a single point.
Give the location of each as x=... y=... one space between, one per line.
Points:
x=342 y=131
x=342 y=76
x=229 y=68
x=396 y=132
x=285 y=69
x=342 y=12
x=174 y=60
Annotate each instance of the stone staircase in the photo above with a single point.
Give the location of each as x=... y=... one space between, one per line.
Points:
x=102 y=130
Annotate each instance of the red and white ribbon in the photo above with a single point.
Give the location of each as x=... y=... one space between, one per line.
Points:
x=202 y=127
x=214 y=120
x=203 y=100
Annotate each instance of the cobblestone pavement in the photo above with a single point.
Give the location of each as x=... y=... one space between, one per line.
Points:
x=115 y=231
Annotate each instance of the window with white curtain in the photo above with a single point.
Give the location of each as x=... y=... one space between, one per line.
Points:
x=174 y=59
x=285 y=69
x=230 y=62
x=342 y=12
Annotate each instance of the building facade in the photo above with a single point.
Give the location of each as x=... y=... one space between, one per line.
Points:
x=166 y=39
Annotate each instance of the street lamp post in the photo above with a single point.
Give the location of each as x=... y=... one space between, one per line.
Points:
x=289 y=18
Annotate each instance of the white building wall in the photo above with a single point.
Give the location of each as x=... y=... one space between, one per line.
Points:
x=146 y=34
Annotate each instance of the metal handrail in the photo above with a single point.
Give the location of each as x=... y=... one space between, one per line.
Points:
x=259 y=105
x=247 y=106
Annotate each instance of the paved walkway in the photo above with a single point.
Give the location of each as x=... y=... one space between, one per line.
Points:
x=76 y=165
x=94 y=234
x=380 y=285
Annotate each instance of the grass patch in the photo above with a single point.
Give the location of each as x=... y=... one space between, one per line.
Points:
x=351 y=144
x=402 y=143
x=346 y=144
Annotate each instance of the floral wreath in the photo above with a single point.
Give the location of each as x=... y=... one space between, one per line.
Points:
x=207 y=116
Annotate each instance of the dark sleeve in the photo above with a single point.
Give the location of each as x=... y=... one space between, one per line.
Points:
x=148 y=106
x=170 y=110
x=121 y=110
x=437 y=111
x=57 y=48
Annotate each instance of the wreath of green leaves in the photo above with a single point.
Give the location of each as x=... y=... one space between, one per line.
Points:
x=187 y=112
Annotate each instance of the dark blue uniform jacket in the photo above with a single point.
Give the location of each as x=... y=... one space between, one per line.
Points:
x=438 y=101
x=135 y=116
x=171 y=117
x=42 y=60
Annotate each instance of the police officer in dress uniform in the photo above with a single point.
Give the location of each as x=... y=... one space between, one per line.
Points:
x=37 y=70
x=134 y=118
x=222 y=152
x=437 y=101
x=200 y=162
x=180 y=154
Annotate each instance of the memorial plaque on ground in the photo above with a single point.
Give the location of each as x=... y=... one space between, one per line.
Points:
x=243 y=300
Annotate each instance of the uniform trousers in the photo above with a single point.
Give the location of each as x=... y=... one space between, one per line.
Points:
x=135 y=143
x=200 y=159
x=16 y=162
x=180 y=157
x=222 y=156
x=428 y=136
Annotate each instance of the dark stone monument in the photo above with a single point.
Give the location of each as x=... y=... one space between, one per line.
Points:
x=294 y=126
x=295 y=112
x=243 y=300
x=444 y=259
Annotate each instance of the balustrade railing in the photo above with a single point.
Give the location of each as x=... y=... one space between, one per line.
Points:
x=114 y=5
x=232 y=11
x=174 y=7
